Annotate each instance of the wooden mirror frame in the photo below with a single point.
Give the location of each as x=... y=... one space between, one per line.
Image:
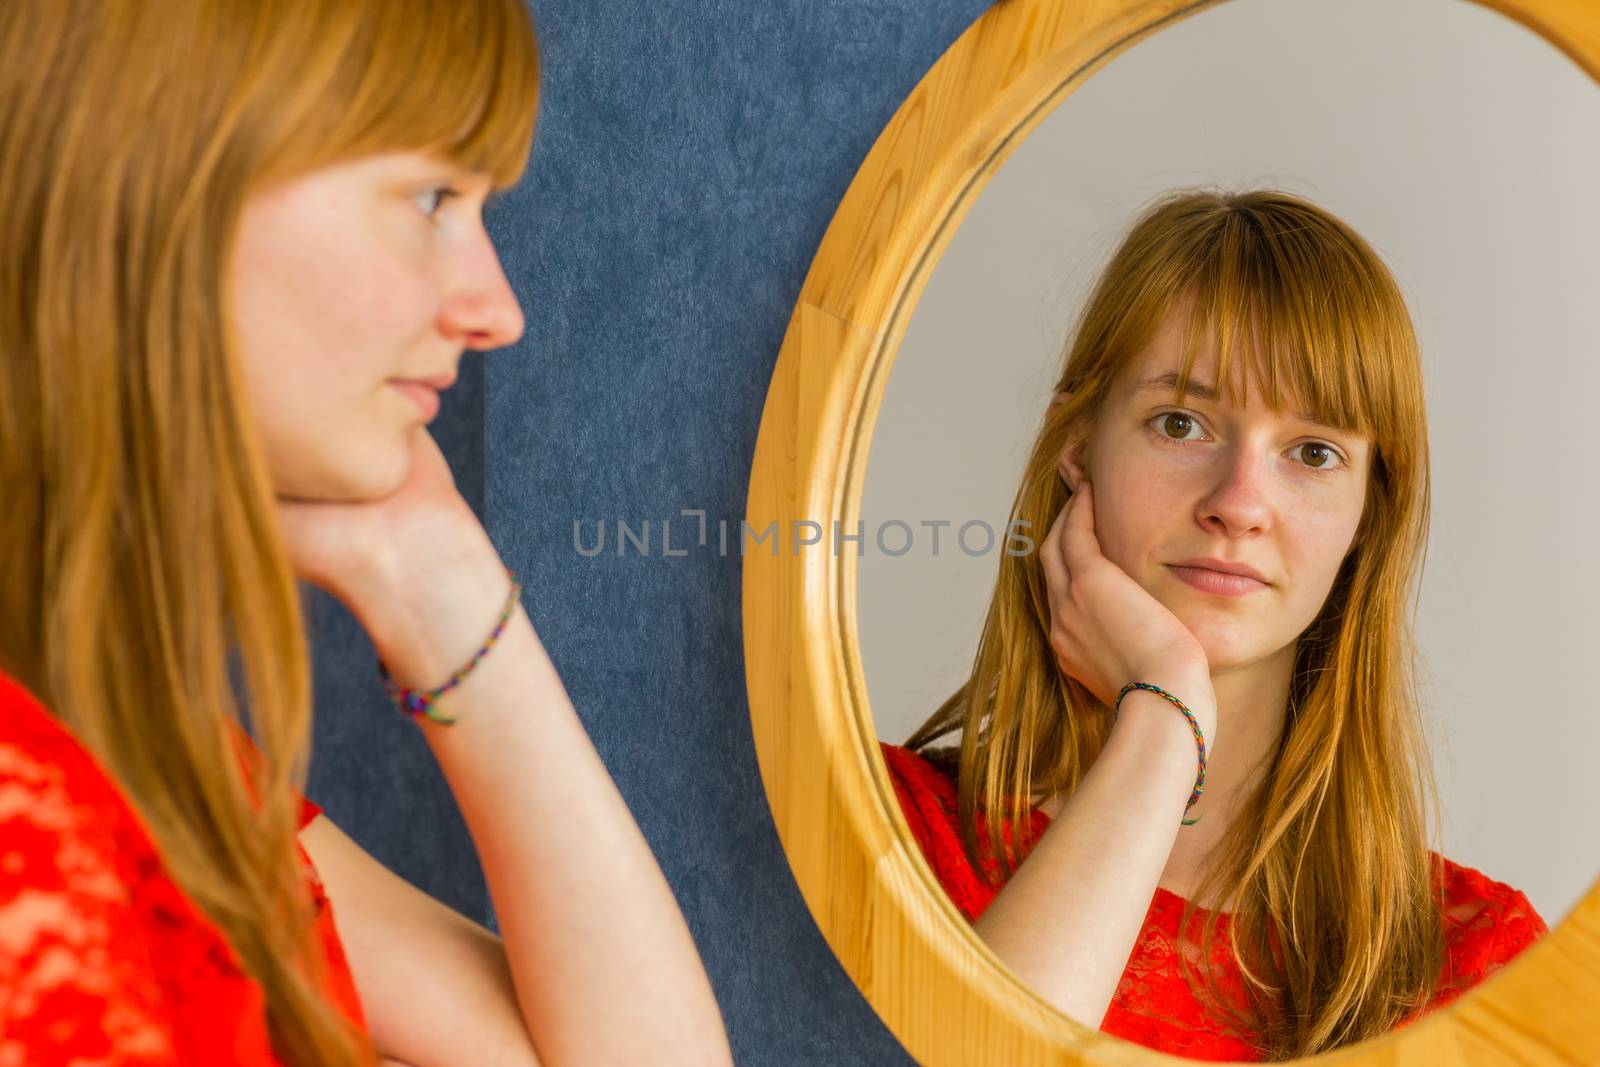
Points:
x=932 y=980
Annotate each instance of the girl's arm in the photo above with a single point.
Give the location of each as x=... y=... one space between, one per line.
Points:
x=1067 y=920
x=434 y=985
x=602 y=968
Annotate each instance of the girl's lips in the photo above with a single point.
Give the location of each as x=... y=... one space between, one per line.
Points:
x=425 y=398
x=1217 y=583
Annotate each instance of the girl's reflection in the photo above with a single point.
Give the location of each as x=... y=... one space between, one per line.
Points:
x=1233 y=471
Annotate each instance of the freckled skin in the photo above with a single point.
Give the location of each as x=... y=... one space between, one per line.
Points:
x=1243 y=488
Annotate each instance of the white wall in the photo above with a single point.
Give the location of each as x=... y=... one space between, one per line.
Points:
x=1466 y=149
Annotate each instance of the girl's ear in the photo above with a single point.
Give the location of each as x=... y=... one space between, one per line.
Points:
x=1070 y=463
x=1070 y=467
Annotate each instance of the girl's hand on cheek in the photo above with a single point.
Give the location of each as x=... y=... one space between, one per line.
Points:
x=1107 y=630
x=418 y=554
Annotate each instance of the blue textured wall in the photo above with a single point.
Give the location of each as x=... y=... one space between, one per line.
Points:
x=688 y=158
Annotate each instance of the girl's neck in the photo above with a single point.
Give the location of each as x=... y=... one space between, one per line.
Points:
x=1252 y=705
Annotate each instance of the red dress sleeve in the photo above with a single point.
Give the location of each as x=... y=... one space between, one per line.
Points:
x=929 y=803
x=339 y=982
x=103 y=959
x=308 y=811
x=1486 y=924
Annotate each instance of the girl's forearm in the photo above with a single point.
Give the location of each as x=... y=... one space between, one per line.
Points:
x=604 y=966
x=1067 y=920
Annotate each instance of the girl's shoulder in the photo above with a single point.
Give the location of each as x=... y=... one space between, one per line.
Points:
x=41 y=755
x=51 y=783
x=927 y=794
x=1469 y=895
x=1487 y=923
x=926 y=790
x=101 y=953
x=916 y=771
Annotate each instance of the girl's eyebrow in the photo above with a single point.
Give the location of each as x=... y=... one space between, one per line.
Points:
x=1168 y=382
x=467 y=176
x=435 y=161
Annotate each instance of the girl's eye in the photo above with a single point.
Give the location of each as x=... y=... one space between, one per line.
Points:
x=1328 y=460
x=1320 y=458
x=443 y=192
x=1168 y=419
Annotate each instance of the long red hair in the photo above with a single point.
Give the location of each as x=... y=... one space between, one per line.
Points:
x=140 y=554
x=1331 y=851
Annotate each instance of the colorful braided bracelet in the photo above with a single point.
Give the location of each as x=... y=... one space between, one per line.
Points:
x=1199 y=738
x=417 y=702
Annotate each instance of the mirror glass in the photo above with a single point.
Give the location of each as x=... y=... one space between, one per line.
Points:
x=1463 y=149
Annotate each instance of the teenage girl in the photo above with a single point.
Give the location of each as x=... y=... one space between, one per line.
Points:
x=1193 y=700
x=243 y=251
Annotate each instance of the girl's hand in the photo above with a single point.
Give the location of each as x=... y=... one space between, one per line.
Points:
x=416 y=567
x=1106 y=629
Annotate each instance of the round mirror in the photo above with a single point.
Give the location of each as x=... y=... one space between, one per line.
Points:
x=1464 y=199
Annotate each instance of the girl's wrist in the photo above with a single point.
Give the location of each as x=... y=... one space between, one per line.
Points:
x=1188 y=684
x=1159 y=731
x=1154 y=727
x=425 y=625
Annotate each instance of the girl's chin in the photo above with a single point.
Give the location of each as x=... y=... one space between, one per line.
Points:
x=348 y=480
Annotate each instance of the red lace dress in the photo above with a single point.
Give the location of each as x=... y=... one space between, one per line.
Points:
x=1487 y=923
x=103 y=959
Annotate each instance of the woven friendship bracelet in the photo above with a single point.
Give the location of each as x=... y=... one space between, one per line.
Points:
x=418 y=702
x=1194 y=724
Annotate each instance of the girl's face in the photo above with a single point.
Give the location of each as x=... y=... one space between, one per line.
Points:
x=1280 y=494
x=343 y=283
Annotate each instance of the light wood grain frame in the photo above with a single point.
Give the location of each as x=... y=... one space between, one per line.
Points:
x=932 y=980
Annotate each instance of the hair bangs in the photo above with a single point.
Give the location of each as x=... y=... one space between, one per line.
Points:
x=458 y=80
x=487 y=88
x=1289 y=307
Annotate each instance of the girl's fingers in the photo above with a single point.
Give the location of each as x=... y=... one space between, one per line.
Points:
x=1078 y=543
x=1051 y=556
